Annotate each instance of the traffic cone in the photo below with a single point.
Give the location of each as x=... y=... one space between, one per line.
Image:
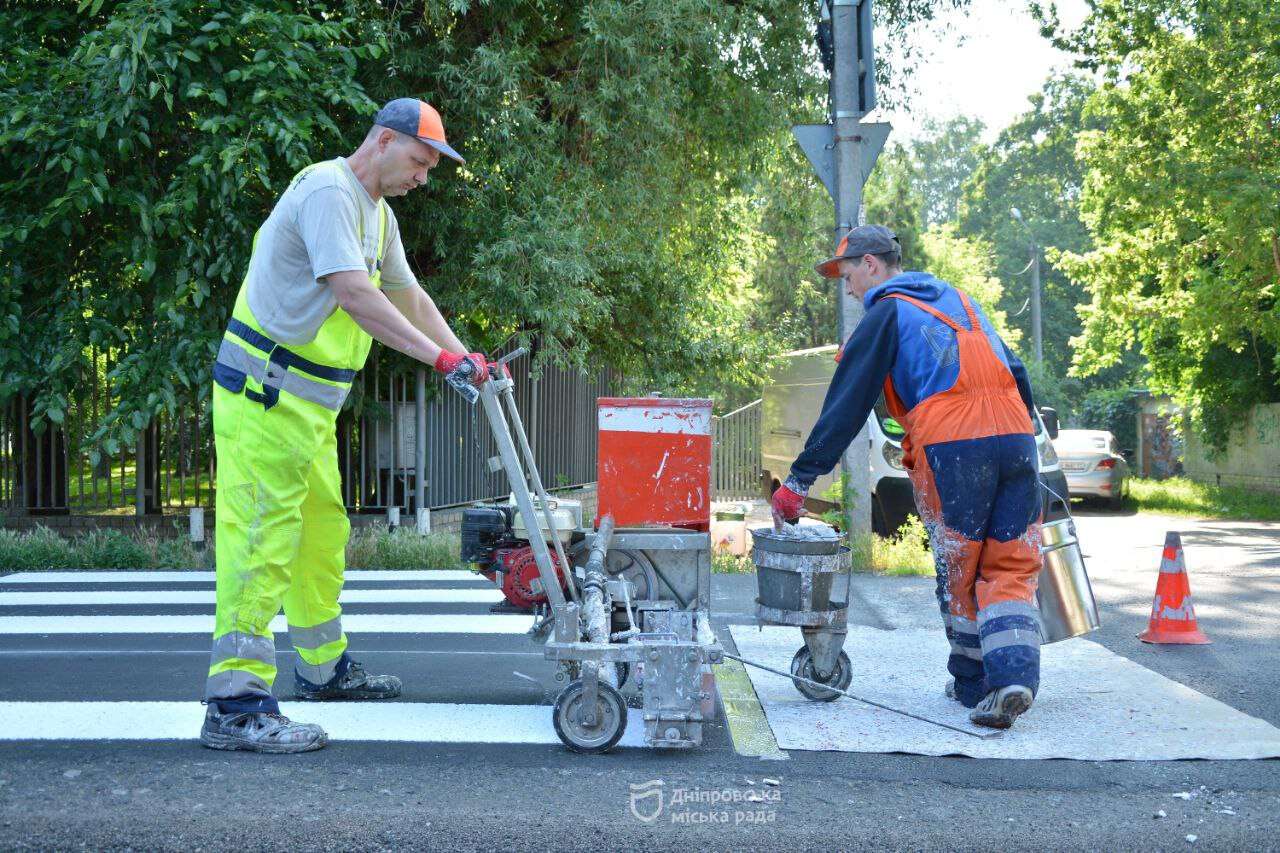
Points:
x=1173 y=618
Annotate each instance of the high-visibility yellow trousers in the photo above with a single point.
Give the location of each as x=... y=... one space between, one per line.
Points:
x=281 y=536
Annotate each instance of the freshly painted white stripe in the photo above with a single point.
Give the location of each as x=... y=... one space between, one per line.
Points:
x=665 y=419
x=204 y=653
x=392 y=721
x=208 y=577
x=206 y=596
x=357 y=623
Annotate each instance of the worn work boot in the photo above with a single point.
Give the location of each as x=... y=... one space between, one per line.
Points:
x=1002 y=706
x=353 y=683
x=259 y=731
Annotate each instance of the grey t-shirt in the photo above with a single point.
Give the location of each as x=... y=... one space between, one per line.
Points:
x=311 y=233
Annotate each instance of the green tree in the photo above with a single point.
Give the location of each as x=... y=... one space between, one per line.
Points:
x=1180 y=201
x=946 y=155
x=893 y=198
x=142 y=142
x=965 y=263
x=611 y=207
x=1032 y=166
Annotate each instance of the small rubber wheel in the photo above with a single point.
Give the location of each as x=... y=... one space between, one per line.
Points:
x=841 y=678
x=623 y=670
x=611 y=718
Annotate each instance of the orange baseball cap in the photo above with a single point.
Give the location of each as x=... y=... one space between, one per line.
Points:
x=419 y=120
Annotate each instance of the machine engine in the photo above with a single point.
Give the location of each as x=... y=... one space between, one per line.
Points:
x=490 y=543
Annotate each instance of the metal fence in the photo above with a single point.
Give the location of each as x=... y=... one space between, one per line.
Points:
x=379 y=450
x=736 y=456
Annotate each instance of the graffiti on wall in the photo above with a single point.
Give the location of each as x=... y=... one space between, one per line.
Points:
x=1161 y=447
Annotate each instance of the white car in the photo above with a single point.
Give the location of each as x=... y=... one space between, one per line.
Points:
x=1093 y=465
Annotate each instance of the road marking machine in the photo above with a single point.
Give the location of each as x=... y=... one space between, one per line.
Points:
x=626 y=597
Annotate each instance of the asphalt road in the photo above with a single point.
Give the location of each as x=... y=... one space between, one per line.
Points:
x=171 y=794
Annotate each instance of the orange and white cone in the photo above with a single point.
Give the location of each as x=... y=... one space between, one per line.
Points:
x=1173 y=617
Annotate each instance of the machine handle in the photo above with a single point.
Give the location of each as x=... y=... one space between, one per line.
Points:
x=513 y=355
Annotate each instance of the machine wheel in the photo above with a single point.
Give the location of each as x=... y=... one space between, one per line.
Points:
x=631 y=565
x=611 y=718
x=802 y=665
x=623 y=669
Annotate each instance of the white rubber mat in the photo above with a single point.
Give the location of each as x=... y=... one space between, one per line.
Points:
x=1093 y=705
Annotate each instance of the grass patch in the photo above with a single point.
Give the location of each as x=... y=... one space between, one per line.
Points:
x=42 y=549
x=1180 y=496
x=377 y=547
x=905 y=553
x=724 y=563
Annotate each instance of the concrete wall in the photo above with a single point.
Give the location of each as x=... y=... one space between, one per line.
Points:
x=442 y=520
x=1252 y=457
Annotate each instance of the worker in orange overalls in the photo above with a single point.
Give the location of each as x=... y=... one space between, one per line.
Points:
x=966 y=405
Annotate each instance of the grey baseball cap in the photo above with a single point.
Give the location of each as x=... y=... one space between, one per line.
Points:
x=863 y=240
x=419 y=120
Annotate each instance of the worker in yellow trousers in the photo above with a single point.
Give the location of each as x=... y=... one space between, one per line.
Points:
x=328 y=274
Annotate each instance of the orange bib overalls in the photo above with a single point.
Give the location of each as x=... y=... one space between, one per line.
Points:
x=971 y=455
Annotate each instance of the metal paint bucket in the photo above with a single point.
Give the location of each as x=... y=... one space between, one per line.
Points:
x=794 y=579
x=1065 y=597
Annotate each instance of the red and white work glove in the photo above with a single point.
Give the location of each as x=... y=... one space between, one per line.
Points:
x=788 y=502
x=450 y=362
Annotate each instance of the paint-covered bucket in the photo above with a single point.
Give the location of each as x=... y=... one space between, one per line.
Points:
x=1067 y=606
x=794 y=577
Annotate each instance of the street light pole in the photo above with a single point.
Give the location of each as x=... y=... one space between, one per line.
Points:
x=1036 y=332
x=1037 y=338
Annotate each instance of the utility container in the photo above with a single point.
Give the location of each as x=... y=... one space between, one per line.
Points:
x=1065 y=597
x=655 y=461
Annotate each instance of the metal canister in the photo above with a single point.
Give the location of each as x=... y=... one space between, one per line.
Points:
x=794 y=579
x=1067 y=606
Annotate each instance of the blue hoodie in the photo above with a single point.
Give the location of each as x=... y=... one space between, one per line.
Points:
x=895 y=339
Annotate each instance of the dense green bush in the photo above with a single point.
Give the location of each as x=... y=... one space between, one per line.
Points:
x=43 y=549
x=1115 y=410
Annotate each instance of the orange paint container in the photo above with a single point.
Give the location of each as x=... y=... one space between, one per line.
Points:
x=655 y=461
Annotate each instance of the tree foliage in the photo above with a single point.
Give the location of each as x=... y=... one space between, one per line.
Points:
x=946 y=156
x=965 y=263
x=1032 y=166
x=142 y=143
x=1180 y=200
x=616 y=204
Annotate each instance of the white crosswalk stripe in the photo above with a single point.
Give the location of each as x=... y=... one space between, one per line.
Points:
x=59 y=625
x=392 y=721
x=359 y=623
x=200 y=596
x=353 y=576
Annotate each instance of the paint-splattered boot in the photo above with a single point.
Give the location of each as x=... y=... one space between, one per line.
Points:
x=352 y=682
x=1002 y=706
x=259 y=731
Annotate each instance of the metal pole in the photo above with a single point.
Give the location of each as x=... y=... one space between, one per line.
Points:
x=520 y=488
x=420 y=443
x=1036 y=332
x=139 y=472
x=856 y=460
